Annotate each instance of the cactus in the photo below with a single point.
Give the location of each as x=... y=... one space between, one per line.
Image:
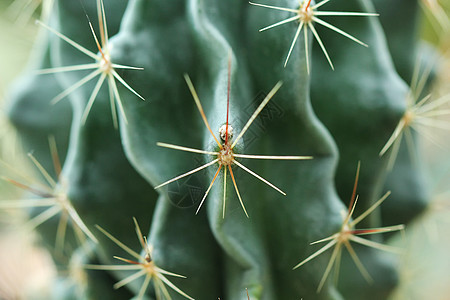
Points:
x=337 y=110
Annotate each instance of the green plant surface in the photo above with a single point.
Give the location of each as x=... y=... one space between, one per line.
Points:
x=255 y=225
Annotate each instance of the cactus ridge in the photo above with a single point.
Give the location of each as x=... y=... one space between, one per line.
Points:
x=145 y=266
x=307 y=15
x=348 y=234
x=52 y=195
x=103 y=67
x=225 y=154
x=420 y=113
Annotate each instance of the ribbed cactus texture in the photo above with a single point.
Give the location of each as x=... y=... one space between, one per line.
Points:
x=338 y=116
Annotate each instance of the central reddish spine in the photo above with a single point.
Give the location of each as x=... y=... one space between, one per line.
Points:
x=228 y=98
x=307 y=6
